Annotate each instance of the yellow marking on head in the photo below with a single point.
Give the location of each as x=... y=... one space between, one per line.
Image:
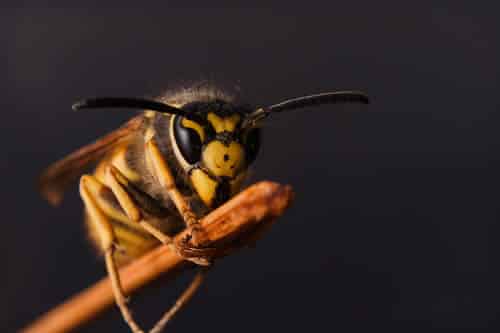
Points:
x=204 y=185
x=231 y=122
x=216 y=121
x=194 y=125
x=223 y=160
x=223 y=124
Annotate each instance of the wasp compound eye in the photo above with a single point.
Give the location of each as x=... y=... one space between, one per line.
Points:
x=189 y=136
x=251 y=140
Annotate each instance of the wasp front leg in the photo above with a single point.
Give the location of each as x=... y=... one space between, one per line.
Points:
x=121 y=187
x=89 y=191
x=166 y=179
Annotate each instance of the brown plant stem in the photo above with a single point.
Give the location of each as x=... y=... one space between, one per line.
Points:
x=237 y=223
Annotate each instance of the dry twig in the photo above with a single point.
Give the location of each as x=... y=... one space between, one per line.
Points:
x=237 y=223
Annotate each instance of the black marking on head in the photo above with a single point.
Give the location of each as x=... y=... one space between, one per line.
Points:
x=219 y=107
x=225 y=137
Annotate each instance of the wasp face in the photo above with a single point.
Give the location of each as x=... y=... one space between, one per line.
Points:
x=214 y=148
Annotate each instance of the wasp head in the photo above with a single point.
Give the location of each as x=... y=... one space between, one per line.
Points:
x=215 y=145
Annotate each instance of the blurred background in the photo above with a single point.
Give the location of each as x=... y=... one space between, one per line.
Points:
x=395 y=223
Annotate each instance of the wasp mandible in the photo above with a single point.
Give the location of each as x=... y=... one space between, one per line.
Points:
x=184 y=155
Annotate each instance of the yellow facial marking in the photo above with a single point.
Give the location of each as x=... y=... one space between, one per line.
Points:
x=231 y=122
x=223 y=160
x=204 y=185
x=191 y=124
x=216 y=121
x=223 y=124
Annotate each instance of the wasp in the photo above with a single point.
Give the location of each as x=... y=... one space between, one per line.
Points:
x=184 y=155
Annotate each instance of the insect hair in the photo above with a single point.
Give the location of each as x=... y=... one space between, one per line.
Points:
x=203 y=91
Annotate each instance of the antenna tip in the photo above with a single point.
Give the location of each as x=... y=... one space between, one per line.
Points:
x=365 y=99
x=79 y=105
x=357 y=96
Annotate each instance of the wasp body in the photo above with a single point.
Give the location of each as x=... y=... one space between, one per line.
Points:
x=164 y=169
x=208 y=159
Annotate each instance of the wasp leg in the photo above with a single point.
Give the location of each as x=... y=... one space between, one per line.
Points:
x=89 y=191
x=89 y=186
x=120 y=187
x=181 y=301
x=164 y=176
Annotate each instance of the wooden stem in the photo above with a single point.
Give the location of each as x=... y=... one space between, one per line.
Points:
x=235 y=224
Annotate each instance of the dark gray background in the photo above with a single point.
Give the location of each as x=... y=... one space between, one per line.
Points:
x=395 y=223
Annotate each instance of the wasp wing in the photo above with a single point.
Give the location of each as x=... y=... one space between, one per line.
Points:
x=56 y=178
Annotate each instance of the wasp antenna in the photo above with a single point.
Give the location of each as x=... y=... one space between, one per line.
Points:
x=124 y=102
x=333 y=97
